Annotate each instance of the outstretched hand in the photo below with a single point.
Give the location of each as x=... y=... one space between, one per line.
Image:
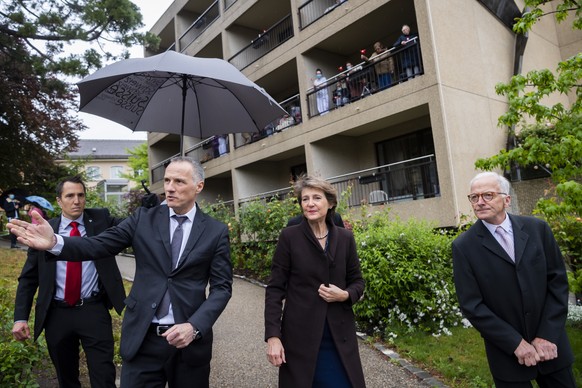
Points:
x=40 y=236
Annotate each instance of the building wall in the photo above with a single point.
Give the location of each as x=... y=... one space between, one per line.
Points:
x=466 y=51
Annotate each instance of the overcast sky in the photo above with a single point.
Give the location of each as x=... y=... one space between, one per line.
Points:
x=100 y=128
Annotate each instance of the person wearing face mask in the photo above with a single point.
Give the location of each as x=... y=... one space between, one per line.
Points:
x=11 y=208
x=320 y=85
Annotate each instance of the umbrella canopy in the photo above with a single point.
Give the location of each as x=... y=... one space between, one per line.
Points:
x=180 y=94
x=40 y=201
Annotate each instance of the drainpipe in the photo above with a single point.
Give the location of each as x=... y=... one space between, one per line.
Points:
x=520 y=43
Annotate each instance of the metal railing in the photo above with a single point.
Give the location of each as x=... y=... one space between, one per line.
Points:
x=410 y=179
x=159 y=169
x=211 y=148
x=266 y=42
x=313 y=10
x=362 y=80
x=292 y=105
x=228 y=3
x=405 y=180
x=197 y=28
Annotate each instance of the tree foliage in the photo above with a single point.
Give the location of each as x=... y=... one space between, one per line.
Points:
x=36 y=97
x=549 y=136
x=139 y=163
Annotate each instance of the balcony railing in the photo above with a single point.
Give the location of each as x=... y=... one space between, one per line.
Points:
x=159 y=169
x=410 y=179
x=405 y=180
x=313 y=10
x=211 y=148
x=292 y=106
x=362 y=80
x=197 y=28
x=228 y=3
x=266 y=42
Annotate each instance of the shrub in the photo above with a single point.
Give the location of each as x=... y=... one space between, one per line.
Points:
x=17 y=359
x=409 y=278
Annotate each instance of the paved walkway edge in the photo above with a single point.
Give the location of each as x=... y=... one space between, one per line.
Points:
x=420 y=374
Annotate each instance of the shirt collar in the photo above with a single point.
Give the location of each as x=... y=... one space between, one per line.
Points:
x=67 y=222
x=191 y=214
x=506 y=224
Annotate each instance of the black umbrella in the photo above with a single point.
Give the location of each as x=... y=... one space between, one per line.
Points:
x=180 y=94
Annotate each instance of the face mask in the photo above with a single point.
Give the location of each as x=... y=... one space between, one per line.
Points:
x=11 y=196
x=318 y=75
x=348 y=67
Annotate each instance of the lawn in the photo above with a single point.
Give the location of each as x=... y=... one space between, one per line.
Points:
x=458 y=360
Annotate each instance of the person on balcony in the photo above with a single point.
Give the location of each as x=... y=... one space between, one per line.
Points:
x=409 y=59
x=316 y=271
x=322 y=97
x=355 y=82
x=384 y=65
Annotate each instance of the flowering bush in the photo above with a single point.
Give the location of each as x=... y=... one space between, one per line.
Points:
x=409 y=276
x=574 y=315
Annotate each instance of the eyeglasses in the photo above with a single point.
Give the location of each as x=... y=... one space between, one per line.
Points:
x=487 y=197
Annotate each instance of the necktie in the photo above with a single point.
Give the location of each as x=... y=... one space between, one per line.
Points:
x=164 y=306
x=74 y=271
x=506 y=242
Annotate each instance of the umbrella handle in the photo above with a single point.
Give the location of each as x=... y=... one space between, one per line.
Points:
x=143 y=184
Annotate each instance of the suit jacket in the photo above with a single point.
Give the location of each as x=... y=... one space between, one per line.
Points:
x=507 y=301
x=38 y=273
x=205 y=260
x=299 y=267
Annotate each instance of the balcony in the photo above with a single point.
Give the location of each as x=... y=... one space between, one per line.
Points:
x=411 y=179
x=313 y=10
x=197 y=28
x=362 y=80
x=292 y=106
x=264 y=43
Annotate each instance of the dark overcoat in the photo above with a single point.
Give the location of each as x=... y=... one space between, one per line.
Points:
x=507 y=301
x=299 y=267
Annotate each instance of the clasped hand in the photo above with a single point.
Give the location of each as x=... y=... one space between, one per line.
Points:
x=332 y=293
x=539 y=350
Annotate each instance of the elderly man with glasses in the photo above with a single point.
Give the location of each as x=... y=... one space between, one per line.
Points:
x=512 y=286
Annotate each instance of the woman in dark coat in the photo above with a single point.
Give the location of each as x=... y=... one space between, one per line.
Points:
x=316 y=271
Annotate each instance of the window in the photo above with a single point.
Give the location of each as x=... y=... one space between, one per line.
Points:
x=116 y=171
x=411 y=172
x=93 y=173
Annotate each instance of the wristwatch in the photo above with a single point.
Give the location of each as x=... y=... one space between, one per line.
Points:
x=197 y=334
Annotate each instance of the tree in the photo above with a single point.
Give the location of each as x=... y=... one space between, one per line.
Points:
x=138 y=161
x=36 y=99
x=553 y=141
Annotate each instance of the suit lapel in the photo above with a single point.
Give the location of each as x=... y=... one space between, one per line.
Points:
x=490 y=243
x=520 y=238
x=195 y=233
x=162 y=219
x=88 y=221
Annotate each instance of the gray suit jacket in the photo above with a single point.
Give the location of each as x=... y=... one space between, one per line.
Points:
x=205 y=261
x=507 y=301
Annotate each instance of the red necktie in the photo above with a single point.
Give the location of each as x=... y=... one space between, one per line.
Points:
x=73 y=278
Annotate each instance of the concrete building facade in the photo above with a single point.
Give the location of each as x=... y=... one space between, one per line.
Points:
x=410 y=143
